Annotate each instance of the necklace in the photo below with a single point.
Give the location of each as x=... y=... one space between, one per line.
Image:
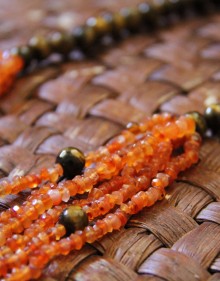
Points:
x=128 y=174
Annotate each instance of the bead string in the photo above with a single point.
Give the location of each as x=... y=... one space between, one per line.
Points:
x=128 y=174
x=145 y=15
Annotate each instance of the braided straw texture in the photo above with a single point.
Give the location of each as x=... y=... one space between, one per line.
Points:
x=84 y=103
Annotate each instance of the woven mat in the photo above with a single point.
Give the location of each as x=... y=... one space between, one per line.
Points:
x=84 y=103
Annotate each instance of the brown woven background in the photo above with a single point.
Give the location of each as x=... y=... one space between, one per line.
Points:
x=85 y=103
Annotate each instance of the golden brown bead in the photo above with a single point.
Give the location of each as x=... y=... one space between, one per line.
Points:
x=73 y=218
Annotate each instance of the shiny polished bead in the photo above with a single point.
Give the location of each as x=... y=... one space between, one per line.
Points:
x=201 y=125
x=118 y=22
x=61 y=43
x=73 y=218
x=84 y=36
x=147 y=14
x=132 y=17
x=72 y=160
x=212 y=116
x=100 y=25
x=40 y=47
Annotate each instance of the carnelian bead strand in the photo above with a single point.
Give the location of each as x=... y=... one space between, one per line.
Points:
x=160 y=159
x=42 y=238
x=141 y=199
x=18 y=184
x=41 y=257
x=122 y=193
x=127 y=137
x=108 y=201
x=21 y=241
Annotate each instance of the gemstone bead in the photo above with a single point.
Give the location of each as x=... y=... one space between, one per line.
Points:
x=200 y=121
x=72 y=160
x=10 y=66
x=73 y=218
x=212 y=116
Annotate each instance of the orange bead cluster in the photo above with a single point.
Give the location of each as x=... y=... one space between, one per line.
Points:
x=10 y=66
x=120 y=179
x=20 y=183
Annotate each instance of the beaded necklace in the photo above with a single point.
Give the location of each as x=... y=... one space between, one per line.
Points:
x=117 y=180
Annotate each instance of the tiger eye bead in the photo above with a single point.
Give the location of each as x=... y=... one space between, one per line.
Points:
x=40 y=47
x=73 y=218
x=100 y=25
x=84 y=36
x=72 y=161
x=119 y=22
x=212 y=116
x=132 y=17
x=200 y=121
x=61 y=43
x=147 y=14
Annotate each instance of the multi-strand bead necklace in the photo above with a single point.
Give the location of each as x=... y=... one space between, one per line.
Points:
x=117 y=180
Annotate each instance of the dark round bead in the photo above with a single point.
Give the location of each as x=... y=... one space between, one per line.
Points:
x=119 y=22
x=132 y=17
x=40 y=47
x=201 y=125
x=73 y=218
x=61 y=43
x=72 y=160
x=147 y=15
x=84 y=36
x=212 y=116
x=100 y=25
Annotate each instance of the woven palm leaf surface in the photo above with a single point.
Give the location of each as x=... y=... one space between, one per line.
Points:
x=85 y=102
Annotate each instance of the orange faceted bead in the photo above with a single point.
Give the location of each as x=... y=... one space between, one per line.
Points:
x=90 y=234
x=3 y=268
x=10 y=66
x=65 y=246
x=39 y=259
x=77 y=241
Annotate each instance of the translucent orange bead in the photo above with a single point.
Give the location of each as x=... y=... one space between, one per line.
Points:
x=55 y=173
x=47 y=201
x=38 y=259
x=55 y=196
x=3 y=238
x=114 y=221
x=23 y=273
x=98 y=231
x=171 y=130
x=39 y=206
x=71 y=186
x=15 y=225
x=102 y=225
x=60 y=231
x=77 y=241
x=122 y=216
x=65 y=246
x=35 y=272
x=3 y=268
x=140 y=199
x=90 y=234
x=10 y=66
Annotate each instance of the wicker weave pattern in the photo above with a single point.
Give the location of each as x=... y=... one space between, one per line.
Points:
x=87 y=102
